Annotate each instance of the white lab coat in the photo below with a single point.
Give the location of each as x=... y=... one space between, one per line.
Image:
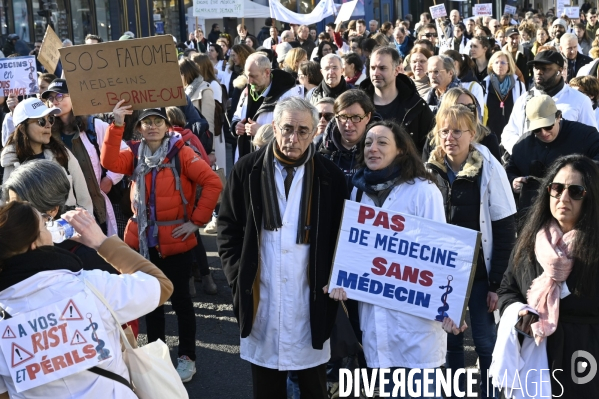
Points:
x=447 y=44
x=574 y=105
x=477 y=91
x=130 y=296
x=395 y=339
x=281 y=338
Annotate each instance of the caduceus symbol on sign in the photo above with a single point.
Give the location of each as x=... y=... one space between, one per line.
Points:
x=102 y=352
x=443 y=309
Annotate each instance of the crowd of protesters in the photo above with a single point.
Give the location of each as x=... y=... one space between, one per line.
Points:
x=481 y=123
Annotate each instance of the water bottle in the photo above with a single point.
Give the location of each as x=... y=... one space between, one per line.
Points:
x=61 y=230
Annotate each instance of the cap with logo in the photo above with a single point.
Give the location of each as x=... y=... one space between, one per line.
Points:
x=161 y=112
x=57 y=86
x=548 y=57
x=32 y=108
x=512 y=31
x=540 y=112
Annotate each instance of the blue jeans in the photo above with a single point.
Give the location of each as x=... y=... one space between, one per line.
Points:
x=484 y=335
x=417 y=377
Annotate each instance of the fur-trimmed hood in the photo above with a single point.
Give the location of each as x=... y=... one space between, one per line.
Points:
x=471 y=168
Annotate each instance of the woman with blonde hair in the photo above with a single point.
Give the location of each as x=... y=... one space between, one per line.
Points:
x=477 y=195
x=293 y=59
x=502 y=89
x=483 y=136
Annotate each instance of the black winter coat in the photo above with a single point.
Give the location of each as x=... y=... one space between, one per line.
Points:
x=577 y=326
x=418 y=119
x=239 y=226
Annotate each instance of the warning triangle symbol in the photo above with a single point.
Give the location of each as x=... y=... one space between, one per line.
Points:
x=8 y=333
x=78 y=338
x=71 y=312
x=19 y=355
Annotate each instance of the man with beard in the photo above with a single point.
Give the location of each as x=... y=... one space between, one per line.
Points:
x=575 y=106
x=558 y=28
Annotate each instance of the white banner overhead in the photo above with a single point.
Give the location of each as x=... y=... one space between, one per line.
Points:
x=323 y=9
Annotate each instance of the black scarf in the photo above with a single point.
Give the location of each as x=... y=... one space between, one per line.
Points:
x=21 y=267
x=555 y=89
x=373 y=181
x=272 y=214
x=335 y=91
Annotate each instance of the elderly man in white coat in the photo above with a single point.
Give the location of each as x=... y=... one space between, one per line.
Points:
x=575 y=106
x=277 y=228
x=258 y=100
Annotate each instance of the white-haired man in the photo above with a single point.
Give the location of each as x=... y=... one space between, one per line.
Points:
x=258 y=99
x=277 y=228
x=568 y=45
x=333 y=83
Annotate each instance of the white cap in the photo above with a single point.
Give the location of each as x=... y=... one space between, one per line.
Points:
x=31 y=108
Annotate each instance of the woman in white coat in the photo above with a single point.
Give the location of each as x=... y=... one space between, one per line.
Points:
x=502 y=89
x=393 y=177
x=198 y=90
x=33 y=139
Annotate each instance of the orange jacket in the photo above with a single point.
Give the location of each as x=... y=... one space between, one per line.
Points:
x=169 y=205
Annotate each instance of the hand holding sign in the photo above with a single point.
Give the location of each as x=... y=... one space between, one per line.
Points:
x=120 y=111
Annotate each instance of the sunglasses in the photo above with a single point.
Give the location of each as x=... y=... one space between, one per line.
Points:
x=575 y=191
x=546 y=128
x=43 y=121
x=430 y=35
x=326 y=115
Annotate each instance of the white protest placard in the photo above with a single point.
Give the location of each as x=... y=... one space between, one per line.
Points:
x=346 y=11
x=405 y=263
x=561 y=4
x=18 y=75
x=572 y=12
x=509 y=10
x=218 y=8
x=483 y=9
x=54 y=342
x=438 y=11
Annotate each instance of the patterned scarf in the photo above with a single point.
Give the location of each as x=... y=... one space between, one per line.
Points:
x=147 y=163
x=553 y=250
x=272 y=213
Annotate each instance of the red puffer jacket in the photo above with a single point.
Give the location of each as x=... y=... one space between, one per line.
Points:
x=169 y=205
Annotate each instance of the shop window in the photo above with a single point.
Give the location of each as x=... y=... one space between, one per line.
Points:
x=21 y=18
x=103 y=19
x=166 y=17
x=82 y=20
x=52 y=12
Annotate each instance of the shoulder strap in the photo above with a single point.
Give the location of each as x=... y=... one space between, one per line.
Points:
x=109 y=374
x=359 y=195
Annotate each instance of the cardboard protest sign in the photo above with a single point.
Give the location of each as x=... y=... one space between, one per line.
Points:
x=49 y=55
x=218 y=8
x=509 y=10
x=483 y=9
x=346 y=11
x=438 y=11
x=54 y=341
x=405 y=263
x=572 y=12
x=18 y=75
x=144 y=72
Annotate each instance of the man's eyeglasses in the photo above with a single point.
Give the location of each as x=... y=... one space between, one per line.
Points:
x=58 y=97
x=149 y=122
x=43 y=121
x=429 y=35
x=352 y=118
x=456 y=134
x=288 y=130
x=326 y=115
x=575 y=191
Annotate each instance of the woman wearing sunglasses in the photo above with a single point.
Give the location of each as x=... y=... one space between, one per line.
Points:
x=84 y=136
x=33 y=139
x=553 y=270
x=166 y=212
x=550 y=137
x=477 y=196
x=502 y=89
